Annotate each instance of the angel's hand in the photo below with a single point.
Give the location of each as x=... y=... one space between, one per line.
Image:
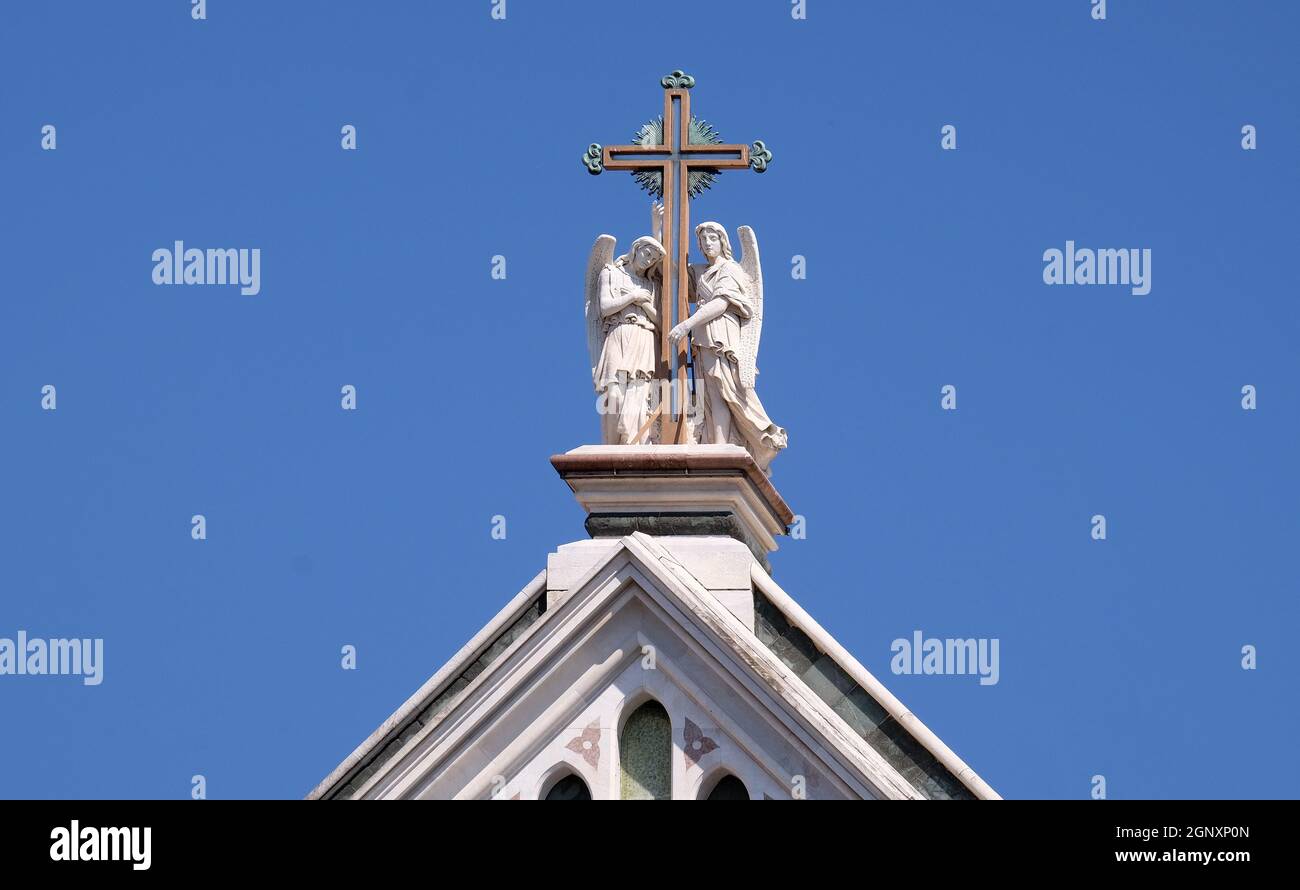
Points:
x=657 y=220
x=640 y=295
x=677 y=333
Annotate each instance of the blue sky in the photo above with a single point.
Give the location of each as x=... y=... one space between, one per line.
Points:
x=924 y=268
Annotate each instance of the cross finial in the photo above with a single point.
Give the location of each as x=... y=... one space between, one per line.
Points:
x=675 y=157
x=677 y=80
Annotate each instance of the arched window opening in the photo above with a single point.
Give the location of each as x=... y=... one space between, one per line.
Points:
x=728 y=788
x=645 y=749
x=569 y=788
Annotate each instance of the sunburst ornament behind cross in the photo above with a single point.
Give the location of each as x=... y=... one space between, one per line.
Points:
x=699 y=132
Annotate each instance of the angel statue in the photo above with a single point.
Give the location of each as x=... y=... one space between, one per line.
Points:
x=622 y=299
x=727 y=325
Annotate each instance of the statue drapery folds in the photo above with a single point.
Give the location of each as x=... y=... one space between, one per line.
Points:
x=725 y=330
x=621 y=303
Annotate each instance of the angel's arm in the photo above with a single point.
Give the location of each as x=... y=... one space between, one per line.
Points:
x=657 y=221
x=611 y=302
x=651 y=310
x=705 y=314
x=737 y=301
x=732 y=295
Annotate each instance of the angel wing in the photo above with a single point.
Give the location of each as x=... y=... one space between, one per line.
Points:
x=602 y=254
x=752 y=330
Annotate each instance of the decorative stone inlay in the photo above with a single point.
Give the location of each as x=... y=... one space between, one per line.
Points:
x=702 y=523
x=587 y=745
x=695 y=743
x=866 y=716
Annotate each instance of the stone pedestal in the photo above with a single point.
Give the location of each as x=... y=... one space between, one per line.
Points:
x=676 y=491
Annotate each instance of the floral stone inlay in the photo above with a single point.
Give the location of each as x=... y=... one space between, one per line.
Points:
x=587 y=745
x=695 y=743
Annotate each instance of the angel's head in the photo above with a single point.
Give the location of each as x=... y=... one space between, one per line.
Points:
x=644 y=254
x=713 y=240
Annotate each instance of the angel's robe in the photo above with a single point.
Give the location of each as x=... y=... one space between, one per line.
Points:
x=717 y=349
x=627 y=358
x=627 y=336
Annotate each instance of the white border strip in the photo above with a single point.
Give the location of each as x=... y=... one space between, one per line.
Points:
x=449 y=671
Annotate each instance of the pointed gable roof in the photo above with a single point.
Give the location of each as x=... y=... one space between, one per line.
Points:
x=786 y=664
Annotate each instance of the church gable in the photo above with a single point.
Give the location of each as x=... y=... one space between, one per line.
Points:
x=653 y=734
x=748 y=705
x=630 y=630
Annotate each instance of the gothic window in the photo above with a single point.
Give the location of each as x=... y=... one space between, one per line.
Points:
x=728 y=788
x=645 y=748
x=569 y=788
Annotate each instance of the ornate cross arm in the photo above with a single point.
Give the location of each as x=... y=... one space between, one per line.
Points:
x=681 y=140
x=593 y=158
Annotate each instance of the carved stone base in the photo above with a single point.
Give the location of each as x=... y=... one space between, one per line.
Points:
x=676 y=490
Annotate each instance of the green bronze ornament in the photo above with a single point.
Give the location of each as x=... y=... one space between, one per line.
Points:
x=677 y=80
x=700 y=178
x=591 y=159
x=652 y=149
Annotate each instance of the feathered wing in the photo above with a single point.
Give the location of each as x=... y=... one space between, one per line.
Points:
x=752 y=330
x=602 y=254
